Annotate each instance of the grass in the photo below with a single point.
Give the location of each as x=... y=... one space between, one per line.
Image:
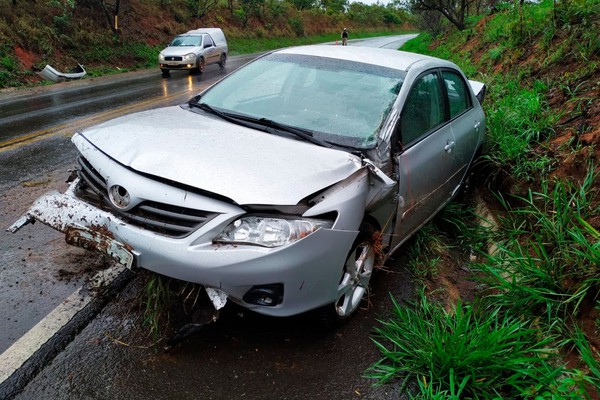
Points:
x=466 y=353
x=517 y=118
x=509 y=343
x=548 y=260
x=156 y=298
x=452 y=228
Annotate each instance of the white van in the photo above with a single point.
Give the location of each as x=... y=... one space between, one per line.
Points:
x=194 y=50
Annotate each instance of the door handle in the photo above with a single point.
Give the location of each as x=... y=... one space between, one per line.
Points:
x=449 y=146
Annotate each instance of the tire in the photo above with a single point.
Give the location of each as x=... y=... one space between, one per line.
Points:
x=201 y=65
x=165 y=72
x=223 y=61
x=354 y=281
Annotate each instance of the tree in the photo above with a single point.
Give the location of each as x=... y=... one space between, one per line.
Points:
x=200 y=8
x=334 y=6
x=248 y=9
x=455 y=11
x=303 y=4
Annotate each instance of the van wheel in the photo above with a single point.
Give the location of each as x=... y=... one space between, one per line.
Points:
x=165 y=72
x=354 y=281
x=200 y=65
x=223 y=61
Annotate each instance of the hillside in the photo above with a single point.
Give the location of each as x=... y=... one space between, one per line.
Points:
x=63 y=34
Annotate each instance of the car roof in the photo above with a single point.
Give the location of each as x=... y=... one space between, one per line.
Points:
x=209 y=31
x=395 y=59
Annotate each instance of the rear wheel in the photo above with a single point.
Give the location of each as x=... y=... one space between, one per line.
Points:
x=354 y=281
x=223 y=61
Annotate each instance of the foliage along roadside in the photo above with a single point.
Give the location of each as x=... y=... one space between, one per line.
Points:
x=539 y=267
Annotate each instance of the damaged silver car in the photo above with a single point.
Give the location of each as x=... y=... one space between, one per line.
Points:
x=282 y=186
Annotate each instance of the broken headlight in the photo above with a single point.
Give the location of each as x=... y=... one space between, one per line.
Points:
x=269 y=231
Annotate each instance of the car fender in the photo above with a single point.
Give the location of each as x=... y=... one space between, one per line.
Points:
x=347 y=198
x=366 y=190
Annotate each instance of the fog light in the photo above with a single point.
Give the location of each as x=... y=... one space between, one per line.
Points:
x=265 y=295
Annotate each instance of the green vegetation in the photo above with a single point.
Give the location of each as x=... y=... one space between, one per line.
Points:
x=156 y=298
x=164 y=300
x=466 y=353
x=538 y=266
x=547 y=260
x=543 y=271
x=516 y=120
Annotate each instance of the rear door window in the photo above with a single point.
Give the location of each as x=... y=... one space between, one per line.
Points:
x=458 y=96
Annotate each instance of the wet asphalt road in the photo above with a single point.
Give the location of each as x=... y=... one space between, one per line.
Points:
x=243 y=355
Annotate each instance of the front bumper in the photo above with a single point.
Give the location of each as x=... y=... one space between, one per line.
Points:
x=308 y=269
x=177 y=65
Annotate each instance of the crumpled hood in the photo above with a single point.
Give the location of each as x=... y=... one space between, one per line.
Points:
x=245 y=165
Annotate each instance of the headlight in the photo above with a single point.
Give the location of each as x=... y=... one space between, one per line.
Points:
x=161 y=56
x=190 y=56
x=269 y=232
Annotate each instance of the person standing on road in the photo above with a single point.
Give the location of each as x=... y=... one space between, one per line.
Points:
x=345 y=37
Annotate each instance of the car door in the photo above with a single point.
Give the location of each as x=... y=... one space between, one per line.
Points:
x=466 y=121
x=424 y=163
x=212 y=50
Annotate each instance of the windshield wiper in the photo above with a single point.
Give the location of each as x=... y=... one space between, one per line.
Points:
x=210 y=109
x=302 y=133
x=265 y=123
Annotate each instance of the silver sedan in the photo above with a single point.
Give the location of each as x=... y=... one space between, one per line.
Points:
x=282 y=186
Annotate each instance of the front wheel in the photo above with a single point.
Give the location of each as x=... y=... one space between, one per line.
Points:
x=200 y=65
x=354 y=281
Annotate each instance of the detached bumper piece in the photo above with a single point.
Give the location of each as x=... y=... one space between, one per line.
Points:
x=64 y=213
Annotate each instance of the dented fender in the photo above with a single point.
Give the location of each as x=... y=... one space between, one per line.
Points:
x=364 y=190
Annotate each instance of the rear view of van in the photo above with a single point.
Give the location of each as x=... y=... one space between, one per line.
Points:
x=194 y=50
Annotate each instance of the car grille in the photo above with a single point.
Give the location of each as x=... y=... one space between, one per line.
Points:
x=173 y=58
x=165 y=219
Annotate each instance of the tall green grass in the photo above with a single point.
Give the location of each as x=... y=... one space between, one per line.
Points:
x=516 y=119
x=156 y=299
x=466 y=353
x=547 y=260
